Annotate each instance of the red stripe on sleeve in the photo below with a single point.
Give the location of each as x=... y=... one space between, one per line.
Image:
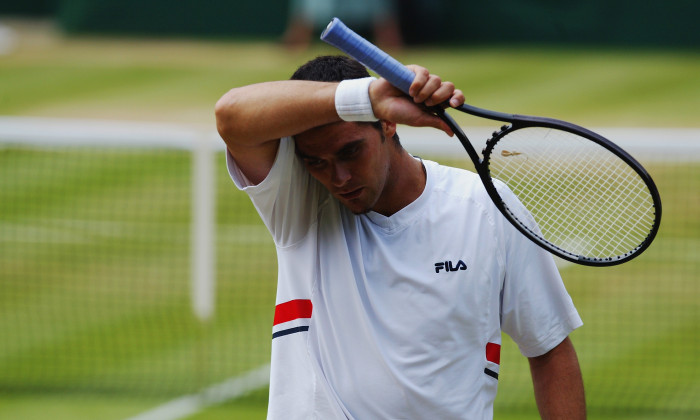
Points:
x=294 y=309
x=493 y=353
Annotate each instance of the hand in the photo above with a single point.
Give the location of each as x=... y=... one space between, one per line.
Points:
x=427 y=90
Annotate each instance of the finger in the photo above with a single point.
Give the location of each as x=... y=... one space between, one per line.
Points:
x=422 y=76
x=431 y=120
x=441 y=95
x=428 y=90
x=442 y=125
x=457 y=98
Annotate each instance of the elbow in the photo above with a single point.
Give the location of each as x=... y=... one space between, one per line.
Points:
x=224 y=111
x=233 y=116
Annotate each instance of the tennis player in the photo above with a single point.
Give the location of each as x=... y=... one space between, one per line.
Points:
x=396 y=275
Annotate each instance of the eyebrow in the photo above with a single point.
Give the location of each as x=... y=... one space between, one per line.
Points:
x=349 y=146
x=339 y=152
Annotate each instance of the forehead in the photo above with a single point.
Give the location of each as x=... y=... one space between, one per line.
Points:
x=332 y=137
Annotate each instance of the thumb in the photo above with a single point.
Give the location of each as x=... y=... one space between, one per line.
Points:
x=436 y=122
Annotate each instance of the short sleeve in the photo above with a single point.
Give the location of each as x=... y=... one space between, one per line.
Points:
x=536 y=310
x=287 y=199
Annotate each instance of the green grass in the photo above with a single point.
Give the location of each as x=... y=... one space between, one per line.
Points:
x=95 y=259
x=95 y=318
x=97 y=314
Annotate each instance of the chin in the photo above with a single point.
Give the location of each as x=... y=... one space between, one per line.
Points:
x=357 y=209
x=360 y=212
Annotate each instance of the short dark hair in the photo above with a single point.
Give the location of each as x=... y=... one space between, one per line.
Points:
x=335 y=68
x=331 y=68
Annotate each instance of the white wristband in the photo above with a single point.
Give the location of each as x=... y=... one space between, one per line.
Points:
x=352 y=100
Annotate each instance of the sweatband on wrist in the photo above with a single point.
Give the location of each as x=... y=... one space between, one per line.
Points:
x=352 y=100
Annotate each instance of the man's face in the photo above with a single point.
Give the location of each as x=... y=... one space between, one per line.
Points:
x=351 y=160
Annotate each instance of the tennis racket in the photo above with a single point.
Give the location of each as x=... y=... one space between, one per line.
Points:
x=570 y=190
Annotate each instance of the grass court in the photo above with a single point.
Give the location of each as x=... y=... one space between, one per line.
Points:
x=95 y=318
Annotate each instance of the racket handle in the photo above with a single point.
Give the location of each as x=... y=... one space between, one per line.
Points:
x=346 y=40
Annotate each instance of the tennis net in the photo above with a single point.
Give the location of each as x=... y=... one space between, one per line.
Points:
x=130 y=264
x=108 y=261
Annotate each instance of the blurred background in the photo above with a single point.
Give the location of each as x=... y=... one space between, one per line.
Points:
x=136 y=282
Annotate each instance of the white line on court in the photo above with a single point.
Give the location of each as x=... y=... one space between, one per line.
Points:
x=645 y=144
x=656 y=143
x=82 y=231
x=216 y=394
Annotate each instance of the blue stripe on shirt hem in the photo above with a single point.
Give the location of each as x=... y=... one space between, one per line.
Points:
x=289 y=331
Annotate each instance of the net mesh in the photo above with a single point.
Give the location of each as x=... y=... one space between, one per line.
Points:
x=584 y=199
x=95 y=294
x=95 y=290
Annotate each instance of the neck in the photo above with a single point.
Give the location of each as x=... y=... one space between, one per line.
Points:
x=405 y=183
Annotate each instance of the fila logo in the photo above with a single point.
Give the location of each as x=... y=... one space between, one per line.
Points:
x=450 y=266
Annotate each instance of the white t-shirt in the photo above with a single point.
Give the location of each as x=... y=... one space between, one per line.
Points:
x=399 y=317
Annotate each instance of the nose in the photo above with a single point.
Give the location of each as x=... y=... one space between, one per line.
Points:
x=340 y=174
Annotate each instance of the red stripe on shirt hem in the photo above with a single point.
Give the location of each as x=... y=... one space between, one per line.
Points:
x=493 y=353
x=294 y=309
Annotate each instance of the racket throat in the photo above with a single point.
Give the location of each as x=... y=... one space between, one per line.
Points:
x=460 y=135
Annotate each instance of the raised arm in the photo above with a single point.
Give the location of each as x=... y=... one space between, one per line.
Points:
x=251 y=119
x=556 y=376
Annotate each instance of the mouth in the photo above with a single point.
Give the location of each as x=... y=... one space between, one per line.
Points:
x=351 y=195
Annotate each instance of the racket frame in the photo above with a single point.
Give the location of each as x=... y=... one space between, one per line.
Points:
x=481 y=165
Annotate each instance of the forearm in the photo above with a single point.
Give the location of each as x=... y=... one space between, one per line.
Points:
x=254 y=114
x=558 y=384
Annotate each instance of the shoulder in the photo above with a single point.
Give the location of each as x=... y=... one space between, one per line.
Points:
x=456 y=181
x=455 y=192
x=281 y=161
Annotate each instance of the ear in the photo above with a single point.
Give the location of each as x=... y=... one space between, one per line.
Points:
x=388 y=129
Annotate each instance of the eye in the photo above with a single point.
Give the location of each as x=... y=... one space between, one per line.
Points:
x=350 y=153
x=313 y=163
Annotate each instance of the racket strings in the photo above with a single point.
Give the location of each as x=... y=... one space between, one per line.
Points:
x=583 y=198
x=608 y=222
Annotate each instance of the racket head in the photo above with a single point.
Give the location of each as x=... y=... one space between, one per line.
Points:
x=592 y=237
x=571 y=191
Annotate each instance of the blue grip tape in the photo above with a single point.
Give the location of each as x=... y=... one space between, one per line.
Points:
x=346 y=40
